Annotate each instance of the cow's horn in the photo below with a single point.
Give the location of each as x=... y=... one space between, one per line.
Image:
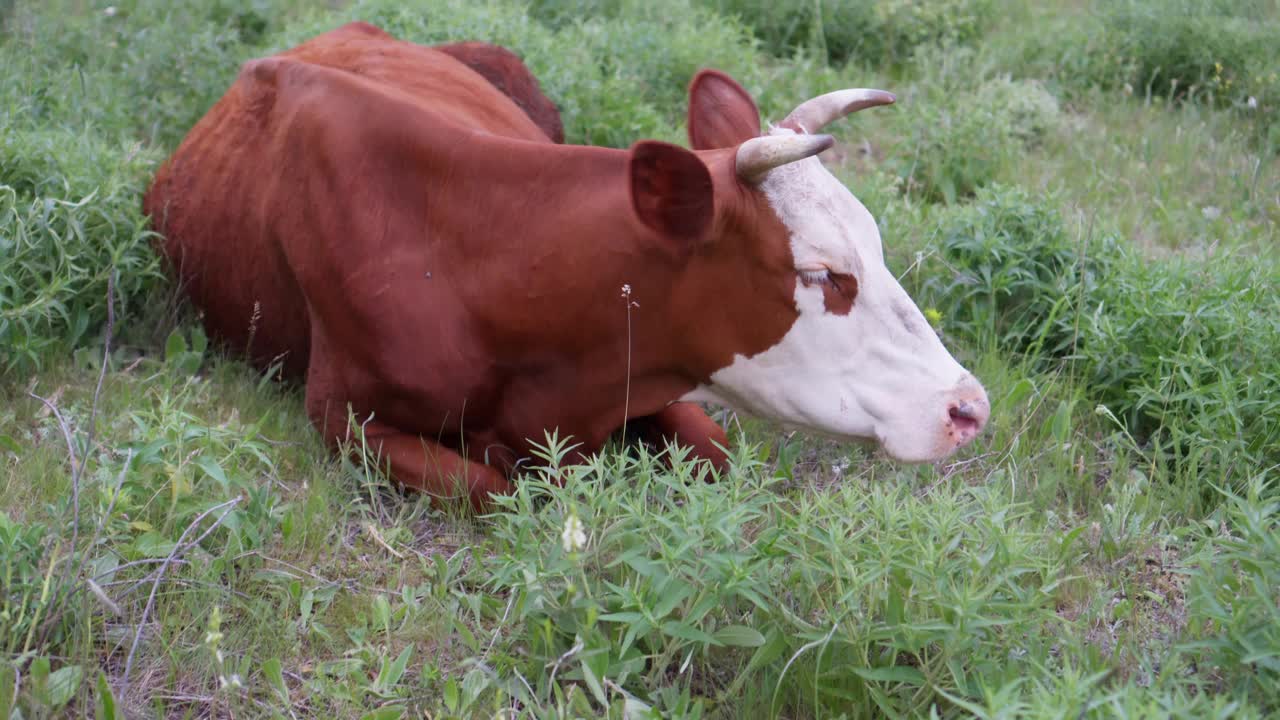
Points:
x=759 y=155
x=813 y=115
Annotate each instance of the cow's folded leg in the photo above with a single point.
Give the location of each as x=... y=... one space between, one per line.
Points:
x=686 y=424
x=429 y=467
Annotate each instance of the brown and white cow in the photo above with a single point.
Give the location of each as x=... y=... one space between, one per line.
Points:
x=415 y=245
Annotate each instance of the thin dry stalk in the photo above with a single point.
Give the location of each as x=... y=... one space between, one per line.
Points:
x=76 y=560
x=180 y=548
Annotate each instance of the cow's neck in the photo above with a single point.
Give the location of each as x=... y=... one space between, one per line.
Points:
x=575 y=280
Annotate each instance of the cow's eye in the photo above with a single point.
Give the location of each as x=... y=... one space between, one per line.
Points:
x=814 y=276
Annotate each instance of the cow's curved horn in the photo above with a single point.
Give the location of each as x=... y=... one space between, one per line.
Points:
x=813 y=115
x=759 y=155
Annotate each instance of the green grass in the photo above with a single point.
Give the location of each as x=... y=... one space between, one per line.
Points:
x=1095 y=242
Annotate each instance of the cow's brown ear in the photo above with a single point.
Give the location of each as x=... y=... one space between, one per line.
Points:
x=671 y=189
x=721 y=112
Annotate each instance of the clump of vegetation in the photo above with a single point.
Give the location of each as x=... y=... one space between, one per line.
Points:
x=1235 y=620
x=1183 y=352
x=1222 y=52
x=70 y=222
x=869 y=32
x=1009 y=273
x=960 y=133
x=1179 y=351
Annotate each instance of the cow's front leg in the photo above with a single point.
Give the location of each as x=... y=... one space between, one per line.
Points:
x=414 y=461
x=429 y=467
x=686 y=424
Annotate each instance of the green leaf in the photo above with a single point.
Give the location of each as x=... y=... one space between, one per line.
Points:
x=687 y=632
x=105 y=704
x=175 y=346
x=63 y=684
x=1060 y=423
x=672 y=599
x=593 y=680
x=275 y=676
x=213 y=470
x=286 y=525
x=622 y=617
x=382 y=612
x=473 y=683
x=8 y=443
x=305 y=604
x=389 y=712
x=393 y=671
x=199 y=341
x=39 y=671
x=739 y=636
x=451 y=695
x=8 y=678
x=153 y=545
x=1018 y=393
x=775 y=644
x=895 y=673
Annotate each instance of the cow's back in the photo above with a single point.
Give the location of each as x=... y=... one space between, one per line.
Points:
x=219 y=196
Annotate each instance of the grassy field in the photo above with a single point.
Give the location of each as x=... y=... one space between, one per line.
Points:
x=1084 y=197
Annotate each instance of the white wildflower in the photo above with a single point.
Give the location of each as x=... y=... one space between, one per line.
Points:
x=1211 y=212
x=1252 y=103
x=234 y=681
x=109 y=11
x=574 y=536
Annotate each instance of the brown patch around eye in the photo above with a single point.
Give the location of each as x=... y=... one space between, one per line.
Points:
x=839 y=292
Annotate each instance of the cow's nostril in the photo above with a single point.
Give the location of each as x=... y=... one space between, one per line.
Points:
x=966 y=417
x=964 y=410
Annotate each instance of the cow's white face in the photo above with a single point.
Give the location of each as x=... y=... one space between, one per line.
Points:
x=874 y=369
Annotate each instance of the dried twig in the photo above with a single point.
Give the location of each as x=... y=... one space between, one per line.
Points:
x=377 y=537
x=76 y=560
x=178 y=549
x=66 y=432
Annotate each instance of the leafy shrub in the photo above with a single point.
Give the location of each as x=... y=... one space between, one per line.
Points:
x=1217 y=50
x=1184 y=351
x=145 y=68
x=70 y=217
x=1030 y=110
x=1012 y=274
x=22 y=546
x=1181 y=350
x=1233 y=614
x=959 y=135
x=873 y=32
x=672 y=576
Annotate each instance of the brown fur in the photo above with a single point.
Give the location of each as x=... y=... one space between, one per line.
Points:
x=411 y=242
x=507 y=72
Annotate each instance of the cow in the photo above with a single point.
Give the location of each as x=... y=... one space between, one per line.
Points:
x=402 y=236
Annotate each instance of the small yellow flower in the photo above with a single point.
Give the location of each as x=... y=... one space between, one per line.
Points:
x=933 y=316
